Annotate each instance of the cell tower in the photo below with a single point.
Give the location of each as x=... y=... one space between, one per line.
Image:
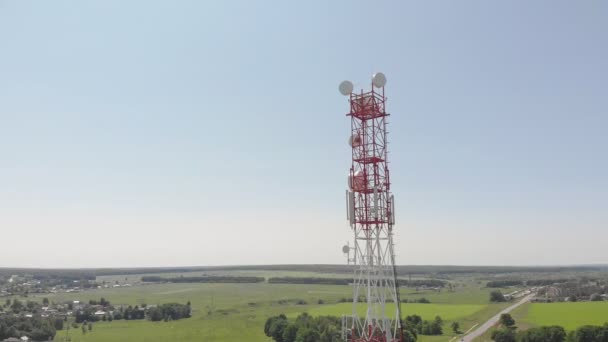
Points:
x=370 y=211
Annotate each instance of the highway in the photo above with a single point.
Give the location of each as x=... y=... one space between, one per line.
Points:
x=489 y=323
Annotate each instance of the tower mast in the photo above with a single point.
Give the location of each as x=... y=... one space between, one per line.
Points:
x=371 y=217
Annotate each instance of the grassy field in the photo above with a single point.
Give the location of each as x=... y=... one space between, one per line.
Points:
x=221 y=312
x=229 y=312
x=448 y=312
x=462 y=295
x=568 y=315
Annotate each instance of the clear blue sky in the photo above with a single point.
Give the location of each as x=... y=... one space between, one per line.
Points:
x=147 y=133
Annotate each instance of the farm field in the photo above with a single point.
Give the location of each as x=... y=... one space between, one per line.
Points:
x=227 y=312
x=221 y=312
x=568 y=315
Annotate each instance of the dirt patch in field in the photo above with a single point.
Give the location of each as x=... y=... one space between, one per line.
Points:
x=175 y=291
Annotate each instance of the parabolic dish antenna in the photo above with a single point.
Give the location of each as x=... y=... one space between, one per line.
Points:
x=346 y=88
x=379 y=80
x=345 y=249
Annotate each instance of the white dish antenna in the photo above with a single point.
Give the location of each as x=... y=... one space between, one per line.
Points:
x=358 y=182
x=346 y=249
x=354 y=140
x=379 y=80
x=346 y=88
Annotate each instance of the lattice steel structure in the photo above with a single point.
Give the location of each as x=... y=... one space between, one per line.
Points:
x=370 y=207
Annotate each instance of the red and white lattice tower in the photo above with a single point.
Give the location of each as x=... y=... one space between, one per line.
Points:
x=370 y=207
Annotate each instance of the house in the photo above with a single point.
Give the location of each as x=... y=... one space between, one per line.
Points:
x=11 y=339
x=100 y=313
x=77 y=305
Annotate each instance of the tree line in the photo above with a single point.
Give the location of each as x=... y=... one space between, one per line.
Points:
x=531 y=282
x=587 y=333
x=282 y=280
x=202 y=279
x=306 y=328
x=422 y=282
x=169 y=312
x=507 y=332
x=346 y=281
x=36 y=328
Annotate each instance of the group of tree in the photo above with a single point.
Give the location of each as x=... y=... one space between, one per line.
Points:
x=17 y=306
x=421 y=300
x=169 y=312
x=544 y=334
x=506 y=332
x=497 y=297
x=131 y=313
x=102 y=301
x=419 y=326
x=36 y=328
x=87 y=314
x=203 y=279
x=588 y=333
x=304 y=328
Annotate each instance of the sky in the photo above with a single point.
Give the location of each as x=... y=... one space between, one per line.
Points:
x=174 y=133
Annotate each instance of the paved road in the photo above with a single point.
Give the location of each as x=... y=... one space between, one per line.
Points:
x=488 y=324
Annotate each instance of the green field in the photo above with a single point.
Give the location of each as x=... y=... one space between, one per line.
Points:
x=229 y=312
x=448 y=312
x=568 y=315
x=221 y=312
